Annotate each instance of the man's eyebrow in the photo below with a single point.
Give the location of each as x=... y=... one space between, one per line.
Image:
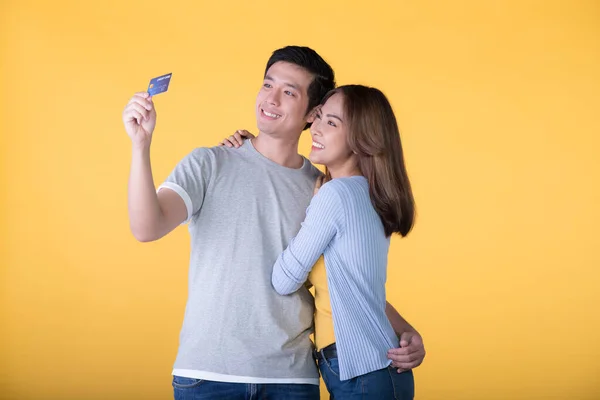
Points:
x=292 y=85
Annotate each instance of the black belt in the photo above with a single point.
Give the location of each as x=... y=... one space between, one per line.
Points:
x=325 y=353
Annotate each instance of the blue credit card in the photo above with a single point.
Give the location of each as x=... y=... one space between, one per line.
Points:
x=159 y=84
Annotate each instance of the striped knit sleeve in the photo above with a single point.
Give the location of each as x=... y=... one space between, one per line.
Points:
x=324 y=220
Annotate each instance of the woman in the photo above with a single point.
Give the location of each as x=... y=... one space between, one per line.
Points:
x=365 y=198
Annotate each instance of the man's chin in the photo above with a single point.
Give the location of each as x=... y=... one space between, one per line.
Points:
x=264 y=128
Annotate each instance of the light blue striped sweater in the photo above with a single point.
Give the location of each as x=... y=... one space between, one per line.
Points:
x=342 y=224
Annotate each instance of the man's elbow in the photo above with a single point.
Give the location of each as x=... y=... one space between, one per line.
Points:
x=144 y=235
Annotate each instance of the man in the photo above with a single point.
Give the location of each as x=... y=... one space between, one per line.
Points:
x=239 y=337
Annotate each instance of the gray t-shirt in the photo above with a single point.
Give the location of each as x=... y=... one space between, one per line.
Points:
x=242 y=211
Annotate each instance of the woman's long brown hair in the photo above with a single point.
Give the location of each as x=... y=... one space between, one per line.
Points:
x=374 y=136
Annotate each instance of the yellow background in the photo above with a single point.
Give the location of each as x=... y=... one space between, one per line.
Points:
x=499 y=107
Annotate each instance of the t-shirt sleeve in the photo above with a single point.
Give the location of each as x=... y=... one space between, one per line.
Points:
x=324 y=220
x=189 y=179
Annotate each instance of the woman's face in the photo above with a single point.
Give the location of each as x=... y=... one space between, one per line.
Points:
x=329 y=133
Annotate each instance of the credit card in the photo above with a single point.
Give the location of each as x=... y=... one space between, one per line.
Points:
x=159 y=84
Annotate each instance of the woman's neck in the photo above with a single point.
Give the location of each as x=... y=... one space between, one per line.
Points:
x=346 y=169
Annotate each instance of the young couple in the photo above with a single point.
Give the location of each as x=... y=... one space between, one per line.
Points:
x=262 y=231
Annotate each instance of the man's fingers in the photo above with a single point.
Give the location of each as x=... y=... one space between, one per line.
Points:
x=134 y=115
x=145 y=103
x=141 y=110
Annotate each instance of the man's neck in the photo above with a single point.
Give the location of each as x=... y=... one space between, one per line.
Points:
x=281 y=151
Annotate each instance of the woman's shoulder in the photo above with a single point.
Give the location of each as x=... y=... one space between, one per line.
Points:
x=347 y=186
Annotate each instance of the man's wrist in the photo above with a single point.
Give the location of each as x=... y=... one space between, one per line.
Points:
x=142 y=149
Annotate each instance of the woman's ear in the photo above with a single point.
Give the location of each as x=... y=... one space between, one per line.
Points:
x=312 y=115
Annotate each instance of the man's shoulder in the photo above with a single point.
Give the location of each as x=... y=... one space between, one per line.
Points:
x=312 y=171
x=211 y=154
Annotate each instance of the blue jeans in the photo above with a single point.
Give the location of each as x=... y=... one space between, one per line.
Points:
x=199 y=389
x=383 y=384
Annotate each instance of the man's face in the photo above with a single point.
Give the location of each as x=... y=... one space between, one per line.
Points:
x=281 y=104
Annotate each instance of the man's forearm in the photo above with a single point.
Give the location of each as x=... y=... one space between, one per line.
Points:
x=399 y=324
x=145 y=215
